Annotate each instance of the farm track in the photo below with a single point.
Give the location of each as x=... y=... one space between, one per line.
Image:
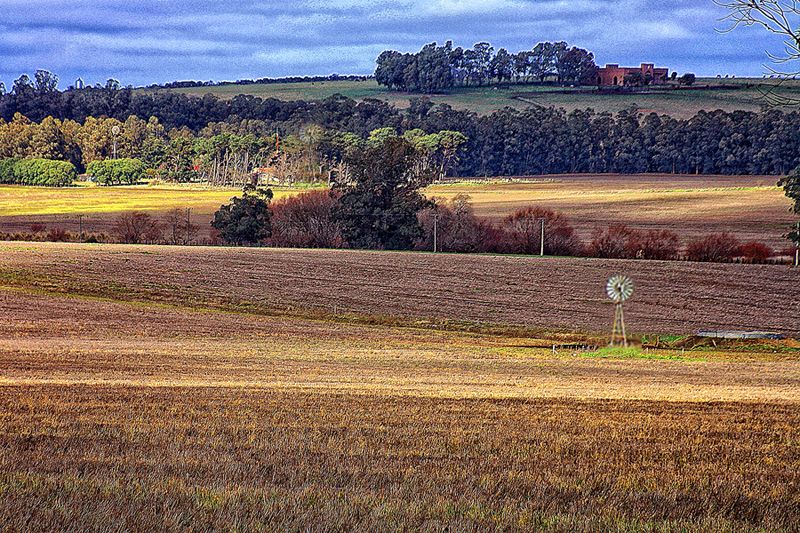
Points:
x=558 y=294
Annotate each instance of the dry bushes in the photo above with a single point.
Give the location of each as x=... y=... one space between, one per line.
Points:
x=621 y=242
x=755 y=252
x=137 y=228
x=306 y=221
x=715 y=248
x=458 y=229
x=523 y=232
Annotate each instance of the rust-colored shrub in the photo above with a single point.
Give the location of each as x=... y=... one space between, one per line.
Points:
x=306 y=221
x=38 y=227
x=523 y=229
x=614 y=242
x=458 y=229
x=754 y=252
x=58 y=235
x=718 y=247
x=661 y=245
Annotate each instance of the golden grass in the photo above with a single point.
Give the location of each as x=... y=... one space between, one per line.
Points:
x=18 y=201
x=177 y=417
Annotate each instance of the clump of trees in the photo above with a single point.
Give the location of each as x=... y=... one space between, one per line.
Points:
x=38 y=172
x=791 y=187
x=379 y=202
x=246 y=220
x=436 y=68
x=126 y=171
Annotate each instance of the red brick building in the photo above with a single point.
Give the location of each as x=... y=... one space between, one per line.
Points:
x=614 y=75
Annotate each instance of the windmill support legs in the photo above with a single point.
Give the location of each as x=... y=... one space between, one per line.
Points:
x=618 y=334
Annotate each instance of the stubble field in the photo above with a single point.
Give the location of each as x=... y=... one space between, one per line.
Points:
x=148 y=388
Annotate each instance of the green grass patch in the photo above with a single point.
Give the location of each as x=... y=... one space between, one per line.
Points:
x=619 y=352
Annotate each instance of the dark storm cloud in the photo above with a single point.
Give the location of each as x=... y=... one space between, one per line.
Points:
x=145 y=41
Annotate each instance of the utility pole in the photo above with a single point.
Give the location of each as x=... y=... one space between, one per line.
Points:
x=541 y=251
x=797 y=246
x=435 y=230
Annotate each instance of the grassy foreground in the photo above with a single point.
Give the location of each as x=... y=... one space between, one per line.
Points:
x=157 y=408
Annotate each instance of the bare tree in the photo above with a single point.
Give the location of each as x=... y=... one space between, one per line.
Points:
x=136 y=228
x=781 y=17
x=178 y=227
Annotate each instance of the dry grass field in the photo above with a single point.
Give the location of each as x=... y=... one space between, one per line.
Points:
x=149 y=388
x=484 y=100
x=751 y=207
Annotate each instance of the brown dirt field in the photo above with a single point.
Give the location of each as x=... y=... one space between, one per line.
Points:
x=66 y=340
x=165 y=413
x=750 y=207
x=551 y=293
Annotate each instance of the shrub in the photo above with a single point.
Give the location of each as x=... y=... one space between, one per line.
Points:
x=719 y=247
x=117 y=171
x=306 y=221
x=654 y=244
x=617 y=241
x=523 y=232
x=58 y=235
x=458 y=229
x=40 y=172
x=754 y=252
x=136 y=228
x=7 y=170
x=38 y=227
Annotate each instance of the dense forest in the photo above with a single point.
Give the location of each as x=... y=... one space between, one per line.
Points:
x=507 y=142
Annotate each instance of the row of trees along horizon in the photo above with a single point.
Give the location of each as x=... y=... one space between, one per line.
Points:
x=37 y=120
x=435 y=69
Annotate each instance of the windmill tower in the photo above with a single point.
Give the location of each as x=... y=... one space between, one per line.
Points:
x=619 y=288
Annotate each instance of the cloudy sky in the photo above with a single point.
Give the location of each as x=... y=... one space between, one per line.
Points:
x=153 y=41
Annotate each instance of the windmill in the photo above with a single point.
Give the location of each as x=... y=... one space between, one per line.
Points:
x=619 y=288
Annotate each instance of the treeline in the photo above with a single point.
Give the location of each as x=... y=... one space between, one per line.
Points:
x=259 y=81
x=508 y=142
x=222 y=154
x=438 y=68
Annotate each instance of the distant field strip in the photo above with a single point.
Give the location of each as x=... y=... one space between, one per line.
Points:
x=561 y=294
x=750 y=207
x=484 y=100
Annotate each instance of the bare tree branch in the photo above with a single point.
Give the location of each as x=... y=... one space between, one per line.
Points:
x=781 y=17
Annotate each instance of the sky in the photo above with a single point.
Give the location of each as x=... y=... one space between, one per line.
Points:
x=140 y=42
